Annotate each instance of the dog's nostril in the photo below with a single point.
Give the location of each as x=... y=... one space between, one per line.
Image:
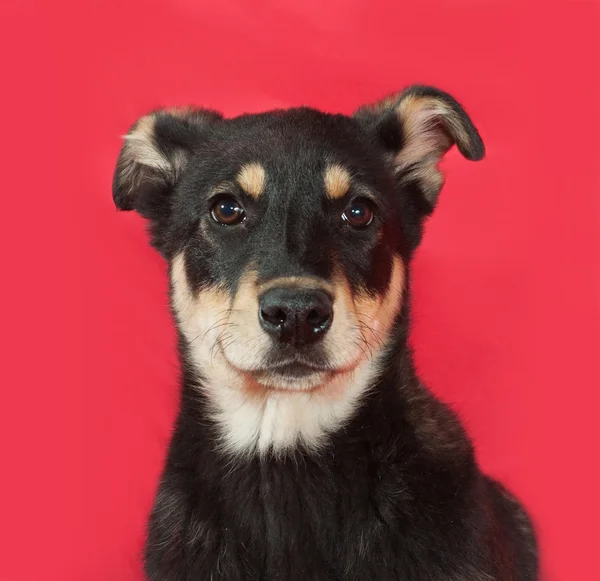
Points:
x=318 y=317
x=274 y=316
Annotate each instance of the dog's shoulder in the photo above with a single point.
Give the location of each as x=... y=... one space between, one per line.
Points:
x=437 y=427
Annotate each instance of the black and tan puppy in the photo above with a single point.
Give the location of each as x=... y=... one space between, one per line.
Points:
x=306 y=448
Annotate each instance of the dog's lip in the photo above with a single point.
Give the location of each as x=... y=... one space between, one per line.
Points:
x=284 y=366
x=292 y=369
x=295 y=362
x=288 y=367
x=281 y=368
x=292 y=377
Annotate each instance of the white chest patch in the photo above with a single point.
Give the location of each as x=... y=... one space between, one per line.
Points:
x=277 y=421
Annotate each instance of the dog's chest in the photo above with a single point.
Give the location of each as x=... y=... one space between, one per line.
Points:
x=311 y=521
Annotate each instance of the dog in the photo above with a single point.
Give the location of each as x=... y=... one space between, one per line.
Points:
x=306 y=448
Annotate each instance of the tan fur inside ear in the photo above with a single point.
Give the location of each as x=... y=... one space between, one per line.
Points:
x=141 y=159
x=140 y=146
x=427 y=124
x=431 y=122
x=155 y=152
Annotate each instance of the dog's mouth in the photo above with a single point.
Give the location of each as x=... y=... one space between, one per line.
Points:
x=292 y=376
x=292 y=370
x=294 y=373
x=288 y=369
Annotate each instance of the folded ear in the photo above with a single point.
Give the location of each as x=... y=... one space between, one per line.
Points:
x=418 y=126
x=156 y=150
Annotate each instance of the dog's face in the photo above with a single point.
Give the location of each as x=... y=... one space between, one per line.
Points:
x=288 y=236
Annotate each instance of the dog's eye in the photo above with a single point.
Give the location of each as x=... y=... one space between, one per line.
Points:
x=227 y=211
x=359 y=214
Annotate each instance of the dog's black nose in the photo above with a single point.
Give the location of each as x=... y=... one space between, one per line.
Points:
x=296 y=316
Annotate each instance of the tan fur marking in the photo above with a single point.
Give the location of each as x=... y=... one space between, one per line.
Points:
x=247 y=343
x=337 y=181
x=419 y=116
x=430 y=126
x=141 y=148
x=140 y=151
x=376 y=314
x=188 y=305
x=251 y=179
x=296 y=281
x=362 y=323
x=425 y=141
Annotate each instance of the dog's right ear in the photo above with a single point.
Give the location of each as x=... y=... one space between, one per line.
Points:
x=156 y=150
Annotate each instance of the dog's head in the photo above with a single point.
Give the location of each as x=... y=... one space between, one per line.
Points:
x=288 y=233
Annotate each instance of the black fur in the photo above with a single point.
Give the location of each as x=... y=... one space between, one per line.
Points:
x=396 y=493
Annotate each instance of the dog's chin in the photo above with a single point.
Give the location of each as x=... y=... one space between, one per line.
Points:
x=292 y=377
x=299 y=380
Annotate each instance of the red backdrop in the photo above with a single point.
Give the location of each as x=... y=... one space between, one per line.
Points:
x=507 y=309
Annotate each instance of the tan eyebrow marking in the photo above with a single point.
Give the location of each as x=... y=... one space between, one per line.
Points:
x=337 y=181
x=251 y=179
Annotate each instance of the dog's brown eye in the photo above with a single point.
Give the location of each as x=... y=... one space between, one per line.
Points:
x=227 y=211
x=359 y=214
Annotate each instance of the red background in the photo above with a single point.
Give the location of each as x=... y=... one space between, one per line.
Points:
x=507 y=293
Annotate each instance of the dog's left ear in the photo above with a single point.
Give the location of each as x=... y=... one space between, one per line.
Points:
x=418 y=126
